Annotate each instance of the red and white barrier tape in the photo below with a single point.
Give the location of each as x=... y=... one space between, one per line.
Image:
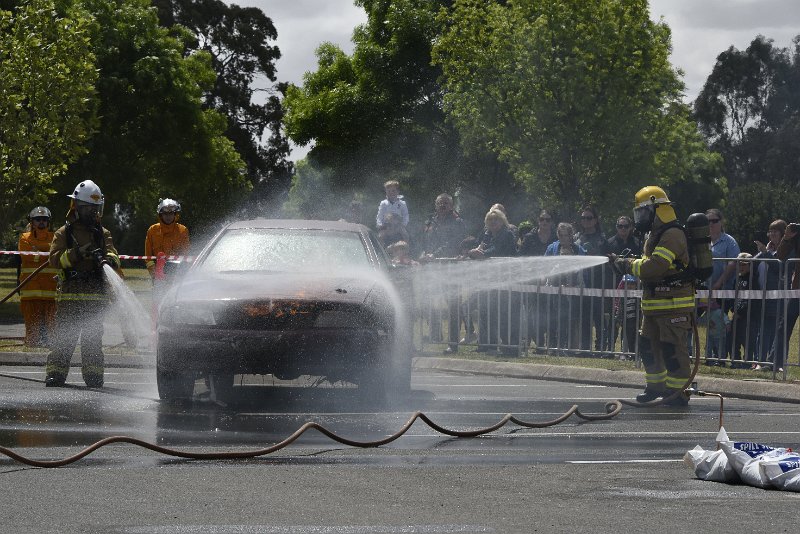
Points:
x=121 y=256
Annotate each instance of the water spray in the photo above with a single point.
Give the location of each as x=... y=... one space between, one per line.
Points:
x=556 y=266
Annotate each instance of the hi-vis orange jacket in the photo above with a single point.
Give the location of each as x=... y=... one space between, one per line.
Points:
x=43 y=285
x=171 y=239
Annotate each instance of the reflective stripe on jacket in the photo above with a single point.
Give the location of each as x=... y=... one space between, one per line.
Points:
x=171 y=239
x=43 y=285
x=659 y=262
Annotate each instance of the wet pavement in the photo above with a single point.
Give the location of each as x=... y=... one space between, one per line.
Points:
x=575 y=477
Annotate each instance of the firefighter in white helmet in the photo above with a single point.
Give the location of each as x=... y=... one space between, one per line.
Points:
x=80 y=250
x=167 y=236
x=667 y=300
x=37 y=298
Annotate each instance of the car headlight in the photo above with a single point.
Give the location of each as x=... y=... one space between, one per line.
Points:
x=187 y=315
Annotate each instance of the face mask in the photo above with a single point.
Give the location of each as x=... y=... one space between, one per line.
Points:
x=644 y=217
x=87 y=214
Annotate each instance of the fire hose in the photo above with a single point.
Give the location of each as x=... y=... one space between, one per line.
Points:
x=27 y=279
x=612 y=408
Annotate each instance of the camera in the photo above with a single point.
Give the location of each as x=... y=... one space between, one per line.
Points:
x=795 y=227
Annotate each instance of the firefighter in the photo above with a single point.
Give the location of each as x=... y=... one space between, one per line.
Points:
x=667 y=298
x=80 y=250
x=37 y=297
x=167 y=236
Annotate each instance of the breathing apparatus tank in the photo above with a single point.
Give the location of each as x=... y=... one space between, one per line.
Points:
x=698 y=236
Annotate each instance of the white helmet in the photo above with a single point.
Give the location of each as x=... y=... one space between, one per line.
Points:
x=39 y=211
x=87 y=191
x=169 y=205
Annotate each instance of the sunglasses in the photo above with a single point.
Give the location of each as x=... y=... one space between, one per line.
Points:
x=587 y=217
x=623 y=226
x=544 y=219
x=40 y=219
x=713 y=221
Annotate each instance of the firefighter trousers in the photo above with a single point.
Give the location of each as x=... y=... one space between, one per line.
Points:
x=78 y=319
x=39 y=316
x=664 y=350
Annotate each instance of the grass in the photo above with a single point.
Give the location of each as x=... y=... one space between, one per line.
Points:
x=137 y=279
x=468 y=352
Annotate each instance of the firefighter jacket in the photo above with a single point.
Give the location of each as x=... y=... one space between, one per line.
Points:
x=666 y=253
x=171 y=239
x=43 y=285
x=81 y=278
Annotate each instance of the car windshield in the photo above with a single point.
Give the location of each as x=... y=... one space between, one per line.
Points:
x=284 y=250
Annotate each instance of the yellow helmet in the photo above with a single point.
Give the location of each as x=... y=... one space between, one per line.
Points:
x=652 y=194
x=651 y=202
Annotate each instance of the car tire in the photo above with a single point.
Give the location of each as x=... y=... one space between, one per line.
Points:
x=223 y=386
x=173 y=385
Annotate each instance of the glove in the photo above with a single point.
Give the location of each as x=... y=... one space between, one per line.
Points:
x=84 y=251
x=619 y=264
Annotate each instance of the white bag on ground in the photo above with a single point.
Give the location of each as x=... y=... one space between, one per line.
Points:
x=711 y=465
x=783 y=472
x=747 y=459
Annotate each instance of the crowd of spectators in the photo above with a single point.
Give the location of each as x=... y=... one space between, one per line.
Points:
x=747 y=333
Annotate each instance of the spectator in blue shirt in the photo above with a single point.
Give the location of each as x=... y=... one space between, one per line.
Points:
x=723 y=276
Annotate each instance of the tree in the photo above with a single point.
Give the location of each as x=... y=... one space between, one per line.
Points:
x=47 y=78
x=154 y=138
x=578 y=98
x=749 y=111
x=752 y=207
x=237 y=39
x=378 y=114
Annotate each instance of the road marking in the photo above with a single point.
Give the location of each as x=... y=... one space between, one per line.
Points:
x=623 y=461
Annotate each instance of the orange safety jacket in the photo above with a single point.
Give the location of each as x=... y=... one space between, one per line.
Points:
x=171 y=239
x=43 y=285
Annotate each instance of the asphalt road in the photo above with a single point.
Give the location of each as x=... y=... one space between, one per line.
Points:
x=622 y=475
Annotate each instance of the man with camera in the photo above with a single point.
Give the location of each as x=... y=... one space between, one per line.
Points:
x=81 y=249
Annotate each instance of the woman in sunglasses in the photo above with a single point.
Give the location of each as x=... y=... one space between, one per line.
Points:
x=535 y=242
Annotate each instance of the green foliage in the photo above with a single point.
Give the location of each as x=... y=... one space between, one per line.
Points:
x=752 y=207
x=47 y=78
x=311 y=197
x=154 y=138
x=578 y=98
x=238 y=41
x=749 y=111
x=378 y=114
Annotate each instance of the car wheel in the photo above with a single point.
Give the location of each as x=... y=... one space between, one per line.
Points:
x=174 y=385
x=222 y=386
x=373 y=387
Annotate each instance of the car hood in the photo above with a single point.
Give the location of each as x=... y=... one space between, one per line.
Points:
x=300 y=287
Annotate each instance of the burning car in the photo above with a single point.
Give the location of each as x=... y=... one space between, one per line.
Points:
x=286 y=298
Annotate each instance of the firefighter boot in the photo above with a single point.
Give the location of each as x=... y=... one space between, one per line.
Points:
x=680 y=398
x=650 y=393
x=93 y=379
x=55 y=381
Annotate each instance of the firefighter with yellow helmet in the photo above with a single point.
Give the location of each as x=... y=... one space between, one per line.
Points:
x=667 y=298
x=37 y=298
x=80 y=250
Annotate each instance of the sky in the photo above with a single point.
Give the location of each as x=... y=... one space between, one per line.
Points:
x=701 y=29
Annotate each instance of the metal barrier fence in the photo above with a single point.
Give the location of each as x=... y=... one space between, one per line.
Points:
x=592 y=314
